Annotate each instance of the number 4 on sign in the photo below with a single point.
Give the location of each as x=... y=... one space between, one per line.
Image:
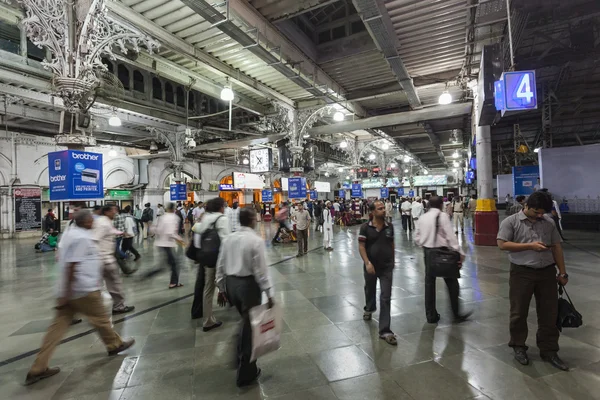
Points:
x=524 y=89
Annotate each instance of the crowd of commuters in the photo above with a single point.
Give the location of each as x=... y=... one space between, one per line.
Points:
x=231 y=256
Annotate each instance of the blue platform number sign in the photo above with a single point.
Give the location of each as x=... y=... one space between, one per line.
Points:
x=297 y=188
x=356 y=190
x=75 y=175
x=385 y=193
x=520 y=90
x=178 y=192
x=400 y=191
x=499 y=95
x=411 y=193
x=525 y=180
x=342 y=194
x=267 y=195
x=313 y=195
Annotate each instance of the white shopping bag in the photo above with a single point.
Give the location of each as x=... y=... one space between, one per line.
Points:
x=266 y=329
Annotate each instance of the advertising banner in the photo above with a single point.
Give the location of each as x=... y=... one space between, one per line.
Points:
x=75 y=175
x=267 y=196
x=372 y=183
x=178 y=192
x=356 y=190
x=28 y=209
x=400 y=191
x=297 y=188
x=322 y=187
x=525 y=180
x=385 y=193
x=411 y=193
x=393 y=182
x=342 y=194
x=313 y=194
x=243 y=180
x=430 y=180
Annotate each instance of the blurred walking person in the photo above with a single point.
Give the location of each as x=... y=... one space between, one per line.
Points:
x=79 y=285
x=129 y=234
x=105 y=234
x=147 y=219
x=167 y=239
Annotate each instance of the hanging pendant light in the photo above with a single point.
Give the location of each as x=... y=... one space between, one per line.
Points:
x=338 y=116
x=445 y=98
x=114 y=120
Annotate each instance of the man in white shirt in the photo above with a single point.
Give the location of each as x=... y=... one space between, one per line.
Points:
x=79 y=285
x=234 y=218
x=105 y=233
x=336 y=206
x=243 y=272
x=302 y=220
x=388 y=211
x=458 y=206
x=198 y=211
x=167 y=239
x=433 y=231
x=405 y=209
x=416 y=210
x=327 y=226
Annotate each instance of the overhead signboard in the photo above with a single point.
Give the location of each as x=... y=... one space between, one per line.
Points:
x=226 y=187
x=525 y=180
x=261 y=160
x=297 y=188
x=342 y=194
x=516 y=91
x=313 y=194
x=411 y=193
x=243 y=180
x=346 y=185
x=28 y=209
x=356 y=190
x=284 y=184
x=322 y=187
x=393 y=182
x=75 y=175
x=119 y=194
x=385 y=193
x=267 y=195
x=400 y=191
x=372 y=183
x=178 y=192
x=430 y=180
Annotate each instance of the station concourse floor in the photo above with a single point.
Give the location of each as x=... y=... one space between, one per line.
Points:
x=328 y=351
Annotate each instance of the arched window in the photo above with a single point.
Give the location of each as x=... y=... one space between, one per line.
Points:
x=191 y=101
x=157 y=92
x=180 y=97
x=123 y=74
x=138 y=81
x=169 y=94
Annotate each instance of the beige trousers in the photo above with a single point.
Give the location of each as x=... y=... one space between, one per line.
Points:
x=209 y=295
x=114 y=283
x=93 y=308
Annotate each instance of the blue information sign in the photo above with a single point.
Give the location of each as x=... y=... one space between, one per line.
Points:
x=516 y=91
x=75 y=175
x=411 y=193
x=525 y=180
x=385 y=193
x=342 y=194
x=178 y=192
x=267 y=195
x=225 y=187
x=400 y=191
x=313 y=195
x=297 y=188
x=356 y=190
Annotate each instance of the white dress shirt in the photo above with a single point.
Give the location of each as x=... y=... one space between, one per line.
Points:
x=243 y=254
x=416 y=210
x=406 y=207
x=105 y=234
x=80 y=246
x=327 y=218
x=166 y=231
x=425 y=231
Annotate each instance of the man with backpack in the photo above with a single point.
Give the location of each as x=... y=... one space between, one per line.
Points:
x=208 y=235
x=147 y=218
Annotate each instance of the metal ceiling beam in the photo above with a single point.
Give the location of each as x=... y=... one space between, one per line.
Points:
x=236 y=144
x=377 y=20
x=425 y=114
x=435 y=141
x=346 y=47
x=281 y=11
x=128 y=16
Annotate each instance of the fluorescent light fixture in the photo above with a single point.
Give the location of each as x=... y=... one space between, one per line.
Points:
x=445 y=98
x=112 y=153
x=114 y=121
x=455 y=154
x=406 y=171
x=371 y=156
x=245 y=161
x=392 y=165
x=227 y=94
x=338 y=116
x=385 y=146
x=537 y=149
x=344 y=144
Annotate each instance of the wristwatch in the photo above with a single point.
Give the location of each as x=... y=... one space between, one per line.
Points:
x=566 y=276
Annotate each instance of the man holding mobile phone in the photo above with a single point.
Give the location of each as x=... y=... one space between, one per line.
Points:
x=535 y=254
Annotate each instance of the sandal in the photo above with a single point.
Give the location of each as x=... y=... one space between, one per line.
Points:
x=176 y=286
x=390 y=339
x=367 y=316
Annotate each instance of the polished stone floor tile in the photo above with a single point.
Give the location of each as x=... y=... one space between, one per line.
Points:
x=327 y=350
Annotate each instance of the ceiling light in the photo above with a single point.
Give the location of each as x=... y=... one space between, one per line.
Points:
x=406 y=158
x=341 y=169
x=326 y=174
x=114 y=121
x=153 y=146
x=425 y=172
x=306 y=136
x=227 y=94
x=445 y=98
x=245 y=161
x=191 y=143
x=537 y=149
x=347 y=176
x=455 y=163
x=112 y=153
x=392 y=165
x=338 y=116
x=453 y=169
x=385 y=146
x=455 y=154
x=344 y=144
x=406 y=171
x=371 y=156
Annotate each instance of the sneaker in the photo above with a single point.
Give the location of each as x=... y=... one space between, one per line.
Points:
x=124 y=346
x=31 y=379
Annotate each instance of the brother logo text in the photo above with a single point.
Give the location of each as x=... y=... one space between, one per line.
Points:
x=58 y=178
x=84 y=156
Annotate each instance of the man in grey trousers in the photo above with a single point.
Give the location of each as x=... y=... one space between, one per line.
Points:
x=376 y=246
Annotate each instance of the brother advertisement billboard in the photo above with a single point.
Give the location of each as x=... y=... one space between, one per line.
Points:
x=75 y=175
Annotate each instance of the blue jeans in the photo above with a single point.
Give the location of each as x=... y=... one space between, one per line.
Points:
x=120 y=252
x=44 y=247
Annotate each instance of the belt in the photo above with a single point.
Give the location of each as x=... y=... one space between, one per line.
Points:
x=532 y=267
x=458 y=212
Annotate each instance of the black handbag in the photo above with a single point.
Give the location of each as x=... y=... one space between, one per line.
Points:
x=568 y=316
x=443 y=262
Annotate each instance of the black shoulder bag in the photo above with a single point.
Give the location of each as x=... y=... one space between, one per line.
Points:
x=568 y=316
x=443 y=262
